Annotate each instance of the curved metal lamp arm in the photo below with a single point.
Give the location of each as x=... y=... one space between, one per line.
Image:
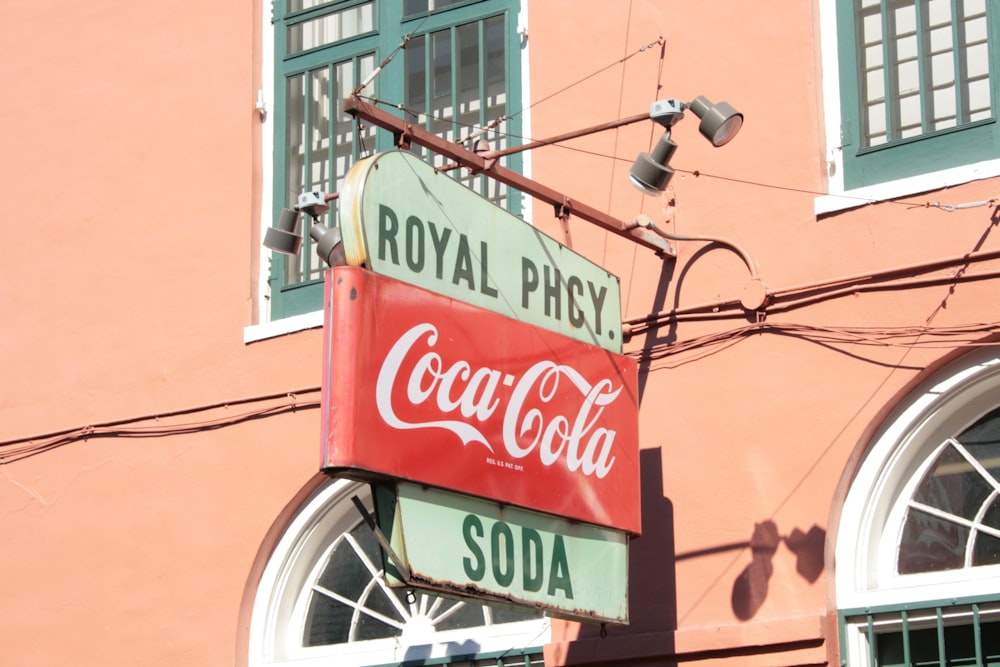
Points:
x=645 y=221
x=755 y=295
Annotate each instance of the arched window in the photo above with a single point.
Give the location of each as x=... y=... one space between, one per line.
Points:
x=918 y=548
x=322 y=596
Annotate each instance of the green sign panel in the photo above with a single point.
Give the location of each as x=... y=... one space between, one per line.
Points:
x=469 y=547
x=404 y=219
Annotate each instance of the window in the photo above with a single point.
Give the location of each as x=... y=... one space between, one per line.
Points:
x=912 y=92
x=918 y=550
x=322 y=600
x=916 y=79
x=457 y=74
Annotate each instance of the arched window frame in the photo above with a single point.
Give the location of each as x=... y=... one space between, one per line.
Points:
x=281 y=602
x=871 y=595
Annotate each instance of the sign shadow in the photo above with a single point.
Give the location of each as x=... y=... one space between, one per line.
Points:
x=652 y=587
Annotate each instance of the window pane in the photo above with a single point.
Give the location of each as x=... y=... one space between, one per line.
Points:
x=931 y=544
x=982 y=440
x=332 y=27
x=987 y=551
x=953 y=486
x=415 y=79
x=420 y=6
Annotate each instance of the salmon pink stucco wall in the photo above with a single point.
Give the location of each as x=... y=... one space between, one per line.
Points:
x=131 y=203
x=141 y=486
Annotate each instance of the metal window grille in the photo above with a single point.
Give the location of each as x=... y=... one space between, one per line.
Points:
x=944 y=635
x=923 y=67
x=455 y=87
x=454 y=84
x=321 y=144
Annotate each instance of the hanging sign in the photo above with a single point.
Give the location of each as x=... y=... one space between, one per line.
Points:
x=421 y=387
x=402 y=218
x=460 y=545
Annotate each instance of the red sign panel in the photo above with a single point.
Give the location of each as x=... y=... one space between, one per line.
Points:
x=420 y=387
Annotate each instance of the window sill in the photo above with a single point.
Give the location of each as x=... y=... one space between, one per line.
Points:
x=282 y=327
x=904 y=187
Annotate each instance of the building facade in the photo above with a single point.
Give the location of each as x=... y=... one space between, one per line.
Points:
x=818 y=373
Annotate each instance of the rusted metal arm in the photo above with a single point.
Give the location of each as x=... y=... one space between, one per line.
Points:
x=408 y=133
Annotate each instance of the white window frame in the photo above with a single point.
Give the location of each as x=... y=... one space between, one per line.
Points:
x=871 y=520
x=280 y=604
x=837 y=198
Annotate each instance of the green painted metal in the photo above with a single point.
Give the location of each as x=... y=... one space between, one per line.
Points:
x=942 y=651
x=406 y=220
x=469 y=547
x=865 y=618
x=295 y=295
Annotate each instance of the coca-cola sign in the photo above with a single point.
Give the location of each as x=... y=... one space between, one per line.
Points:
x=421 y=387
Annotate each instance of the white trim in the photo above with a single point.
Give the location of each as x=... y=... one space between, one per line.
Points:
x=525 y=83
x=266 y=165
x=904 y=187
x=286 y=325
x=871 y=518
x=838 y=198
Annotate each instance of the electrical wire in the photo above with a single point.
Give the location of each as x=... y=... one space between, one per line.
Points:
x=138 y=427
x=476 y=130
x=842 y=338
x=697 y=173
x=648 y=46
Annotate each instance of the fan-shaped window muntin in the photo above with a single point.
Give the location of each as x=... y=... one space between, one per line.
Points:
x=351 y=601
x=953 y=519
x=322 y=596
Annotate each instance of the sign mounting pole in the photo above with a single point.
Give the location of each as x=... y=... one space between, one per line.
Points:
x=408 y=133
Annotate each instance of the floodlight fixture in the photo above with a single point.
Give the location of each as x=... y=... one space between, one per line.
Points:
x=719 y=122
x=284 y=237
x=650 y=172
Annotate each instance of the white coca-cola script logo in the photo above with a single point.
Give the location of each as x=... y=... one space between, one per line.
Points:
x=472 y=393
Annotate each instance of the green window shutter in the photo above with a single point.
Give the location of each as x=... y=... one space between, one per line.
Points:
x=902 y=112
x=324 y=50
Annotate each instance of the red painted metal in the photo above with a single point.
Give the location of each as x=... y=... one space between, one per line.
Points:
x=420 y=387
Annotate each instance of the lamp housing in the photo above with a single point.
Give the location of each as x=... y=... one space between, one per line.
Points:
x=719 y=122
x=650 y=172
x=284 y=237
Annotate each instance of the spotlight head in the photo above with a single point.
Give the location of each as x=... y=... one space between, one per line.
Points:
x=719 y=122
x=666 y=112
x=329 y=246
x=312 y=204
x=650 y=172
x=284 y=236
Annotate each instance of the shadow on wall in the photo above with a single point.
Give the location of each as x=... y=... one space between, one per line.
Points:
x=652 y=589
x=750 y=587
